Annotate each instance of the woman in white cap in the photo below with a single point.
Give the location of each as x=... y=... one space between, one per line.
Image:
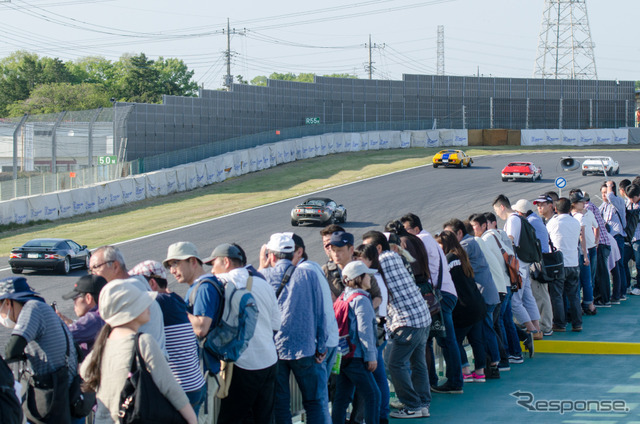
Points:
x=356 y=322
x=125 y=308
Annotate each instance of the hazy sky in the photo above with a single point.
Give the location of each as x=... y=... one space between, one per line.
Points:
x=494 y=37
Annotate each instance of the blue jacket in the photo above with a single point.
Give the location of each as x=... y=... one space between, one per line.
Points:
x=303 y=331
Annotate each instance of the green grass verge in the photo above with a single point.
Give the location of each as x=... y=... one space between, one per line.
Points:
x=270 y=185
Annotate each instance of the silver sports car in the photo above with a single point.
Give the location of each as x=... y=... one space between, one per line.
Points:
x=318 y=210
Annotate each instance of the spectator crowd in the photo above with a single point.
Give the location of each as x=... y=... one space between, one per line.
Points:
x=366 y=316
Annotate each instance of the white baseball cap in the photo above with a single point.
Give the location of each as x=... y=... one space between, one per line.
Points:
x=280 y=242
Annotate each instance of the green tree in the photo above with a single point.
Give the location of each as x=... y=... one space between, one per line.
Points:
x=175 y=78
x=260 y=80
x=56 y=97
x=136 y=80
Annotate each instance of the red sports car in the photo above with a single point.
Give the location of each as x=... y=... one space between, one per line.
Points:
x=521 y=171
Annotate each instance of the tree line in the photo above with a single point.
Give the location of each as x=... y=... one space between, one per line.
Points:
x=36 y=85
x=33 y=84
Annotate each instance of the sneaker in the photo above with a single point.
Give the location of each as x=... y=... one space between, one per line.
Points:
x=408 y=413
x=635 y=291
x=528 y=345
x=516 y=359
x=477 y=378
x=504 y=365
x=425 y=412
x=396 y=404
x=492 y=373
x=445 y=388
x=548 y=333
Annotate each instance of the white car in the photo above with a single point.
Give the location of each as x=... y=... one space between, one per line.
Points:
x=596 y=164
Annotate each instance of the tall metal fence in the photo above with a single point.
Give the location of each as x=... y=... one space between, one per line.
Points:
x=51 y=152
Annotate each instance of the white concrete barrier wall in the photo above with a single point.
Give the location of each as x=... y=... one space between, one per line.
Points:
x=574 y=137
x=100 y=197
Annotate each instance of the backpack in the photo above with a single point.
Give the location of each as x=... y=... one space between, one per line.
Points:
x=342 y=311
x=633 y=216
x=528 y=249
x=235 y=323
x=10 y=409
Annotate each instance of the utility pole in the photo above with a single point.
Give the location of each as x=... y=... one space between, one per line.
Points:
x=370 y=46
x=440 y=64
x=228 y=79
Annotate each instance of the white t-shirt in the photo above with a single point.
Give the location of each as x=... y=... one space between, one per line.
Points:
x=512 y=227
x=590 y=225
x=384 y=293
x=564 y=231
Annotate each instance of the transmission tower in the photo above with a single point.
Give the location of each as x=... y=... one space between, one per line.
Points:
x=440 y=64
x=565 y=47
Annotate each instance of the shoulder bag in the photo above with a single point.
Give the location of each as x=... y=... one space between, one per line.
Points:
x=550 y=268
x=141 y=402
x=513 y=267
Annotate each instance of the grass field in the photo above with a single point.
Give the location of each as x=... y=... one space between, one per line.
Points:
x=236 y=194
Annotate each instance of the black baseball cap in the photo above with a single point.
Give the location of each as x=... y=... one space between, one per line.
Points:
x=87 y=284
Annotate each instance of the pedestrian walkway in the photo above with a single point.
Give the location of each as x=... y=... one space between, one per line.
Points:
x=568 y=379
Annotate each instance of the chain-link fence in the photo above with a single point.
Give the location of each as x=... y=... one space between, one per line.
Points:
x=58 y=151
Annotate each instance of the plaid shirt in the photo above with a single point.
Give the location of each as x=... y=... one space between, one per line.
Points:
x=406 y=306
x=603 y=230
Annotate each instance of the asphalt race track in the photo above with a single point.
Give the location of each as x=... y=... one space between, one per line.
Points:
x=435 y=195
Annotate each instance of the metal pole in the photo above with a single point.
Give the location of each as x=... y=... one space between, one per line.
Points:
x=54 y=153
x=15 y=146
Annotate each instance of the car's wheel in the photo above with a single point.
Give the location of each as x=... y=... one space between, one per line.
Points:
x=65 y=266
x=16 y=270
x=294 y=222
x=344 y=217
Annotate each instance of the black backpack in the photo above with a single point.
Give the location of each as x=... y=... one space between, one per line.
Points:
x=10 y=408
x=528 y=249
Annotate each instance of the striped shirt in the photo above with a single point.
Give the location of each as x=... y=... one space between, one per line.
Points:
x=406 y=306
x=181 y=343
x=603 y=239
x=43 y=330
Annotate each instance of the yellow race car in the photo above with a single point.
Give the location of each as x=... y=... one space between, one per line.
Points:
x=452 y=157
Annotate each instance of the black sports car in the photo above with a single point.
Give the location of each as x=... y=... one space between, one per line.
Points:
x=318 y=210
x=49 y=254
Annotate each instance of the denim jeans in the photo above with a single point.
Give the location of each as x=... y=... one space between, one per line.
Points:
x=568 y=287
x=510 y=334
x=405 y=358
x=636 y=254
x=197 y=398
x=449 y=345
x=355 y=376
x=490 y=335
x=473 y=333
x=619 y=275
x=585 y=277
x=602 y=286
x=312 y=381
x=380 y=374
